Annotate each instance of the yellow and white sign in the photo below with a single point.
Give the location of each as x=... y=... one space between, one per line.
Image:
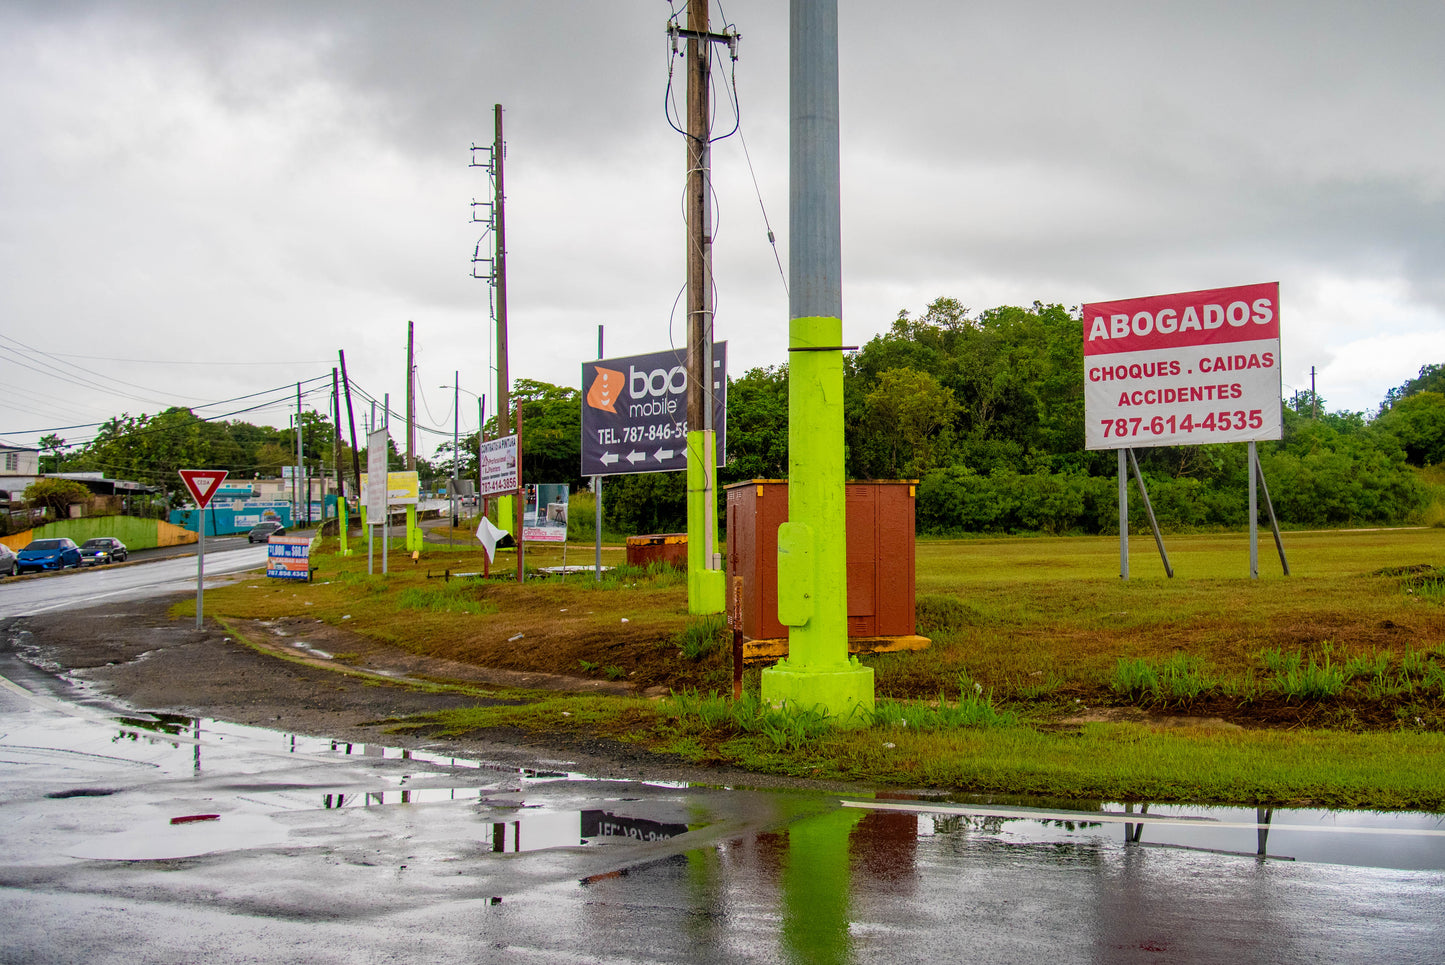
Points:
x=402 y=488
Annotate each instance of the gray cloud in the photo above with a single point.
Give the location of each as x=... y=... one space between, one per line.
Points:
x=288 y=179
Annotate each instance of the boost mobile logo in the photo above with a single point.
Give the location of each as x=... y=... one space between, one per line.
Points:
x=605 y=389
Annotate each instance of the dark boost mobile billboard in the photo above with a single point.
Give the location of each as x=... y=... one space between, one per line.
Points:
x=634 y=412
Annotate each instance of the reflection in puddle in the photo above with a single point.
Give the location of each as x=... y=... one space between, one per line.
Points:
x=1401 y=840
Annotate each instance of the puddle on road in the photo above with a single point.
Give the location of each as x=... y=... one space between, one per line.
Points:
x=160 y=839
x=499 y=792
x=252 y=802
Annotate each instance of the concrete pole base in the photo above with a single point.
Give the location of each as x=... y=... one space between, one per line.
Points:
x=845 y=693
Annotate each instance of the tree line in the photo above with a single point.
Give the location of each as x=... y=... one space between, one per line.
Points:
x=985 y=410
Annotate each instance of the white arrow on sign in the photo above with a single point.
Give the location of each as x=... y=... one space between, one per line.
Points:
x=636 y=457
x=608 y=458
x=662 y=455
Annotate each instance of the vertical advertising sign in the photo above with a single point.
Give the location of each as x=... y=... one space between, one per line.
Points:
x=375 y=479
x=545 y=520
x=1185 y=369
x=288 y=557
x=498 y=473
x=634 y=412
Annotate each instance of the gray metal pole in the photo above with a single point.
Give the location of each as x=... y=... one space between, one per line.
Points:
x=386 y=504
x=201 y=569
x=597 y=501
x=296 y=483
x=456 y=451
x=815 y=248
x=1253 y=514
x=1123 y=515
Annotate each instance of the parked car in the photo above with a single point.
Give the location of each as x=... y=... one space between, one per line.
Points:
x=264 y=530
x=8 y=566
x=48 y=554
x=102 y=549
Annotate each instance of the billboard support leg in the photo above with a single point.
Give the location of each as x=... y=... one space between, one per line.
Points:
x=1253 y=513
x=1123 y=516
x=1269 y=507
x=1149 y=511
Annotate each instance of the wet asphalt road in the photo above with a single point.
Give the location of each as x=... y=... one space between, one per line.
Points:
x=126 y=838
x=153 y=572
x=300 y=849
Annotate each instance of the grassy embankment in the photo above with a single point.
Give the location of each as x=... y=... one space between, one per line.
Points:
x=1047 y=674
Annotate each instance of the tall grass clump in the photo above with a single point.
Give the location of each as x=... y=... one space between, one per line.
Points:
x=656 y=575
x=786 y=730
x=973 y=709
x=452 y=596
x=1311 y=681
x=790 y=729
x=1134 y=677
x=1179 y=677
x=703 y=636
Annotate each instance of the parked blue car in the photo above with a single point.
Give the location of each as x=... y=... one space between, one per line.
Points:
x=48 y=554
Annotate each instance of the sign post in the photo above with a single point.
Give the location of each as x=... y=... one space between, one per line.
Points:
x=202 y=485
x=499 y=471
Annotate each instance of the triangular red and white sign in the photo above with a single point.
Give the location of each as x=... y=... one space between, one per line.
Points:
x=203 y=483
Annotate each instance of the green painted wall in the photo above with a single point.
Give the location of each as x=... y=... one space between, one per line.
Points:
x=135 y=533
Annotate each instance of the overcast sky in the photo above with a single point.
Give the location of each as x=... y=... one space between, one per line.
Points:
x=201 y=201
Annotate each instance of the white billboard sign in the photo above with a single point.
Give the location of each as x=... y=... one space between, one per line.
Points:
x=377 y=444
x=499 y=473
x=1185 y=369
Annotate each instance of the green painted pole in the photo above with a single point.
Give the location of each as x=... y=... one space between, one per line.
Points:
x=812 y=545
x=706 y=586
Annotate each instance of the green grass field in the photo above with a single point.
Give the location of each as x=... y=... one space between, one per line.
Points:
x=1047 y=673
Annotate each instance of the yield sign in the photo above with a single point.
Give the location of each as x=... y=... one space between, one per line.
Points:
x=203 y=483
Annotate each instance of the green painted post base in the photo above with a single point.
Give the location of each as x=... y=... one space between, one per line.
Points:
x=706 y=587
x=706 y=591
x=342 y=530
x=414 y=536
x=841 y=692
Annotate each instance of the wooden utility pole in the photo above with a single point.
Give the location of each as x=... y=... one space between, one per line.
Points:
x=341 y=516
x=499 y=268
x=699 y=228
x=351 y=421
x=706 y=589
x=296 y=483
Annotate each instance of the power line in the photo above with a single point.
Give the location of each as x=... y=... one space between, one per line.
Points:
x=203 y=405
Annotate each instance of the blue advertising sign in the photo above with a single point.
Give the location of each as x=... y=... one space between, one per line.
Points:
x=634 y=412
x=288 y=557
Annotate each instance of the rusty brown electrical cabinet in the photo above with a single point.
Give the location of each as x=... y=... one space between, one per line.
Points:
x=880 y=564
x=669 y=548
